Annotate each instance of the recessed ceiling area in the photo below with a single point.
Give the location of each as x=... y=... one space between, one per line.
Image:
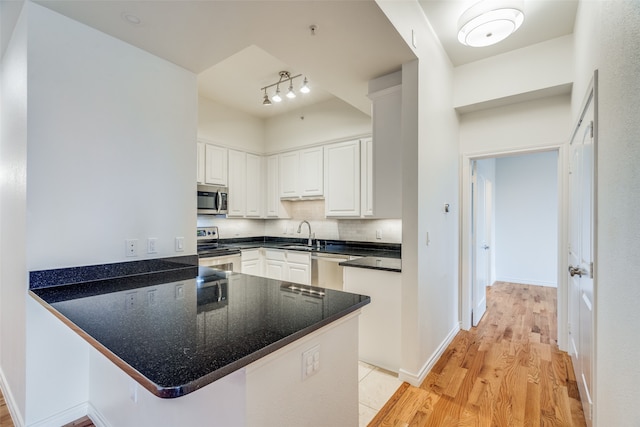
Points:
x=236 y=82
x=354 y=42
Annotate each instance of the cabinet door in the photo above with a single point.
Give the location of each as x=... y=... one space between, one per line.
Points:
x=273 y=203
x=237 y=183
x=215 y=165
x=275 y=269
x=251 y=267
x=366 y=177
x=311 y=172
x=289 y=165
x=201 y=163
x=342 y=198
x=299 y=273
x=254 y=184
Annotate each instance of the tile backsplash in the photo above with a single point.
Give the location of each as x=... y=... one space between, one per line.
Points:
x=362 y=230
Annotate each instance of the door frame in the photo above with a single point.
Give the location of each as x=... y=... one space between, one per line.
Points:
x=466 y=241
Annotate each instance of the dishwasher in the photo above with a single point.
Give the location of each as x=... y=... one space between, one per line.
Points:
x=326 y=271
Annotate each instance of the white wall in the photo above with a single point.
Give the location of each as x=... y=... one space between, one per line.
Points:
x=111 y=149
x=430 y=179
x=606 y=38
x=227 y=126
x=322 y=122
x=13 y=207
x=515 y=75
x=526 y=219
x=520 y=126
x=100 y=147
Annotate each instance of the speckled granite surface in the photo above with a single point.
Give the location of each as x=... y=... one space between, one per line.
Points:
x=338 y=247
x=375 y=263
x=65 y=276
x=179 y=333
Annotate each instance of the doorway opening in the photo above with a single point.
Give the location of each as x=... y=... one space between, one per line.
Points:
x=512 y=226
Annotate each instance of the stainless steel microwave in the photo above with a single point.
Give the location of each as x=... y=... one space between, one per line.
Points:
x=212 y=200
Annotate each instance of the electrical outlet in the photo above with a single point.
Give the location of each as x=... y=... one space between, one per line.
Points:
x=151 y=245
x=130 y=299
x=310 y=362
x=179 y=244
x=131 y=247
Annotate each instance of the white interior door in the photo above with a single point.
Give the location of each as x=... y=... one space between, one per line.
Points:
x=481 y=232
x=581 y=256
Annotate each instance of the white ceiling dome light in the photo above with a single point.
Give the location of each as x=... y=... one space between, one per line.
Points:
x=489 y=22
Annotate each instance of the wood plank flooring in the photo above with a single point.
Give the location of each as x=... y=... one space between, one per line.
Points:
x=506 y=372
x=5 y=417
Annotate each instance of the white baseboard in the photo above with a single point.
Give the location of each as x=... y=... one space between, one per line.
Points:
x=522 y=281
x=64 y=417
x=415 y=379
x=10 y=401
x=97 y=417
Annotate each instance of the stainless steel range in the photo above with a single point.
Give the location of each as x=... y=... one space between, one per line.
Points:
x=212 y=254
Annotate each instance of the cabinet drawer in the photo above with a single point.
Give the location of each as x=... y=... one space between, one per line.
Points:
x=251 y=255
x=298 y=257
x=275 y=255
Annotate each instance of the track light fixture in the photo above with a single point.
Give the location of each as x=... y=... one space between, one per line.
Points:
x=284 y=77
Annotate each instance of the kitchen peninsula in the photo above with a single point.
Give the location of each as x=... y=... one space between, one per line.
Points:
x=181 y=331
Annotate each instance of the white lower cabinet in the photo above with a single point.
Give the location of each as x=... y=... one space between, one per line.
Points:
x=299 y=267
x=379 y=334
x=288 y=265
x=252 y=262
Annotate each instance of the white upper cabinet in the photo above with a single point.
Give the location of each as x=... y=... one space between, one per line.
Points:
x=215 y=167
x=245 y=184
x=311 y=172
x=366 y=177
x=273 y=205
x=201 y=163
x=254 y=186
x=301 y=173
x=237 y=183
x=289 y=170
x=342 y=178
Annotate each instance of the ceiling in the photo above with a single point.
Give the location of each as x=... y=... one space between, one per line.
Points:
x=237 y=47
x=544 y=20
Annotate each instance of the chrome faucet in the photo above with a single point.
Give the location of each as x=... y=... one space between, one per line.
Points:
x=309 y=241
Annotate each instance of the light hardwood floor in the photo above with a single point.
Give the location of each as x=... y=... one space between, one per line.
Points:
x=5 y=417
x=507 y=372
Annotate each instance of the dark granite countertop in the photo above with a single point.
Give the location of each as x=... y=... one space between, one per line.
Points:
x=341 y=247
x=175 y=327
x=375 y=263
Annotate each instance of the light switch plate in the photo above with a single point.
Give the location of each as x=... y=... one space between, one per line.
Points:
x=310 y=362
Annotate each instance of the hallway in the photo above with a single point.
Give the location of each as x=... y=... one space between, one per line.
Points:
x=506 y=372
